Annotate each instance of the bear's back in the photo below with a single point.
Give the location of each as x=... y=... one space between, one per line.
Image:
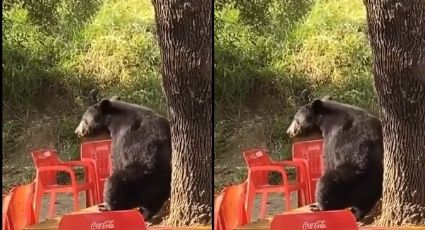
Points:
x=140 y=134
x=352 y=135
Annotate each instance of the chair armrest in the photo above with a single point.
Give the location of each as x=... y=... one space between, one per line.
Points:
x=270 y=168
x=300 y=164
x=77 y=163
x=291 y=163
x=59 y=168
x=92 y=161
x=90 y=164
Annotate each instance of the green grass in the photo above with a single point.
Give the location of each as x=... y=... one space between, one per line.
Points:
x=270 y=61
x=112 y=49
x=10 y=133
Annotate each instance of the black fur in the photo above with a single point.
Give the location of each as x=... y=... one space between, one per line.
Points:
x=141 y=151
x=130 y=188
x=353 y=153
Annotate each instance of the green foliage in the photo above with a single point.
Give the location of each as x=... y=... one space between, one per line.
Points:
x=222 y=136
x=122 y=53
x=330 y=48
x=68 y=143
x=320 y=46
x=10 y=133
x=68 y=47
x=26 y=58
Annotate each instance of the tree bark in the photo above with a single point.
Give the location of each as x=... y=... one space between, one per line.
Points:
x=184 y=32
x=397 y=38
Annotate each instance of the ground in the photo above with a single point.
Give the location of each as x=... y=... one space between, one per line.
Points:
x=249 y=131
x=18 y=167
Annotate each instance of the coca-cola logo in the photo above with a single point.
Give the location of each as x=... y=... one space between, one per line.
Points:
x=320 y=224
x=109 y=224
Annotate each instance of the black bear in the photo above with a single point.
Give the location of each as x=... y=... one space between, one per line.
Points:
x=353 y=154
x=141 y=154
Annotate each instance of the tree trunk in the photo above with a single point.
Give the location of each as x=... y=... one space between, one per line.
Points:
x=397 y=37
x=185 y=38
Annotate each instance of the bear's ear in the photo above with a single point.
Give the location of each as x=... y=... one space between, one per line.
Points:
x=327 y=98
x=316 y=105
x=115 y=98
x=105 y=106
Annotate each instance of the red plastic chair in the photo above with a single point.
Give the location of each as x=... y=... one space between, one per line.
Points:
x=5 y=209
x=229 y=208
x=128 y=220
x=98 y=153
x=310 y=153
x=20 y=212
x=218 y=200
x=329 y=220
x=259 y=165
x=47 y=166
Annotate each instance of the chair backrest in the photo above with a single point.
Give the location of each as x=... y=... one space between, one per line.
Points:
x=100 y=152
x=312 y=152
x=231 y=210
x=328 y=220
x=5 y=210
x=128 y=219
x=45 y=158
x=217 y=205
x=21 y=212
x=254 y=158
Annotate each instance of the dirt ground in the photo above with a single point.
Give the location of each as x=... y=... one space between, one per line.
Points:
x=64 y=204
x=18 y=167
x=275 y=205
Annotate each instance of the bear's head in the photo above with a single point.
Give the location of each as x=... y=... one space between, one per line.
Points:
x=306 y=120
x=95 y=118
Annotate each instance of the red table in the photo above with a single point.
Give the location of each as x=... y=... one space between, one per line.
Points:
x=265 y=223
x=52 y=224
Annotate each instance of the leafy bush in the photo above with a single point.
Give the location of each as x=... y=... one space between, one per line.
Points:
x=68 y=48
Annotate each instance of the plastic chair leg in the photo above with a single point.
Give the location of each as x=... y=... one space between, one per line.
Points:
x=263 y=205
x=6 y=225
x=76 y=200
x=99 y=193
x=307 y=198
x=100 y=189
x=93 y=197
x=249 y=203
x=52 y=205
x=287 y=196
x=300 y=198
x=37 y=204
x=88 y=198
